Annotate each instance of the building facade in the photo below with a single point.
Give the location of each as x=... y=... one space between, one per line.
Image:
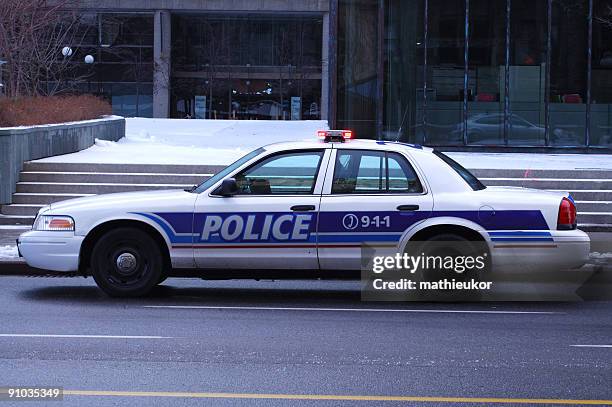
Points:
x=455 y=73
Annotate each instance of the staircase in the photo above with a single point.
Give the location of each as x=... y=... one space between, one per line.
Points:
x=591 y=190
x=44 y=183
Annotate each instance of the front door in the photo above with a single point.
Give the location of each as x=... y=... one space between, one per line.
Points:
x=372 y=197
x=271 y=222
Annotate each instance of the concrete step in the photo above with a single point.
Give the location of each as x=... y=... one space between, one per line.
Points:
x=591 y=195
x=594 y=206
x=21 y=209
x=113 y=177
x=16 y=220
x=37 y=166
x=597 y=218
x=88 y=188
x=591 y=227
x=566 y=174
x=551 y=183
x=43 y=198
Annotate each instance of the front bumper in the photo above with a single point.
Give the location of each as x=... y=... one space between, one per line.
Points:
x=57 y=251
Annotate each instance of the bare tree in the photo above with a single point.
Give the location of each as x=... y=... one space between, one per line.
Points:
x=32 y=36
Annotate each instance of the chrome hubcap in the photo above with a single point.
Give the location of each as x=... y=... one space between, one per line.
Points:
x=126 y=263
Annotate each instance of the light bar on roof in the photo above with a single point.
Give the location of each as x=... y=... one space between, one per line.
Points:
x=335 y=135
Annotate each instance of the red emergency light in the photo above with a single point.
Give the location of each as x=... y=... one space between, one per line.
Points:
x=335 y=135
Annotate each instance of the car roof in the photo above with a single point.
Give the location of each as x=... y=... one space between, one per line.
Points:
x=364 y=144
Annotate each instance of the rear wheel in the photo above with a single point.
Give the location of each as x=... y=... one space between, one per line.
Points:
x=126 y=262
x=457 y=247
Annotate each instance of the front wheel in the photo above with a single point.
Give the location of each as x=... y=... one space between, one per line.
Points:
x=126 y=262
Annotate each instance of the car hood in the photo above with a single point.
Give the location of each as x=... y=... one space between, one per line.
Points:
x=124 y=200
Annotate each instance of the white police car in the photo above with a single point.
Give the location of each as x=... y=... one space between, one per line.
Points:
x=300 y=209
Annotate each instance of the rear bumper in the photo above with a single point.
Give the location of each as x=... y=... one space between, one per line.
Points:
x=57 y=251
x=566 y=250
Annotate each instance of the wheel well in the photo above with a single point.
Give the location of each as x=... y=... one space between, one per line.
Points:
x=428 y=232
x=97 y=232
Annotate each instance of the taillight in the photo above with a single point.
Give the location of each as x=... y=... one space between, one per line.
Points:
x=567 y=215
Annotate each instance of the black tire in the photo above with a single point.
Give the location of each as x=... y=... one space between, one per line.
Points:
x=126 y=262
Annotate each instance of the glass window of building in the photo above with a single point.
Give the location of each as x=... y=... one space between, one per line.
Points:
x=445 y=72
x=527 y=72
x=486 y=72
x=357 y=79
x=568 y=72
x=403 y=77
x=255 y=67
x=601 y=75
x=122 y=71
x=530 y=73
x=121 y=45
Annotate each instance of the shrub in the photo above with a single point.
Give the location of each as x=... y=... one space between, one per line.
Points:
x=31 y=111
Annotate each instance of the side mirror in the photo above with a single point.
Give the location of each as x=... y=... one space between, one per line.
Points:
x=228 y=187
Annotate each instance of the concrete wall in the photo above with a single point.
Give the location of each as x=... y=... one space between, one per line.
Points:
x=18 y=145
x=162 y=63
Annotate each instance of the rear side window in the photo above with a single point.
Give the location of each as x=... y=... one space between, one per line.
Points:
x=472 y=181
x=373 y=172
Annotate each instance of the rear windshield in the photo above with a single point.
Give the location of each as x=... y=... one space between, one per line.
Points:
x=472 y=181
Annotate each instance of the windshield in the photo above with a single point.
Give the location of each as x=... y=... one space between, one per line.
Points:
x=472 y=181
x=227 y=170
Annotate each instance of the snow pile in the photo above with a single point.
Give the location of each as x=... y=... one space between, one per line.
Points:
x=8 y=252
x=184 y=141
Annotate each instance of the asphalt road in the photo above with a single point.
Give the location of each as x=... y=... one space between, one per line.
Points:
x=303 y=341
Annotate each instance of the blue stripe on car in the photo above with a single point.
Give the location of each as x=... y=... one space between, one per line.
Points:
x=511 y=225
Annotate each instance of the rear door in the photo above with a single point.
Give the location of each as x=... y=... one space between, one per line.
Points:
x=369 y=196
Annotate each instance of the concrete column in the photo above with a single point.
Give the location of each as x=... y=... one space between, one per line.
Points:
x=324 y=106
x=161 y=64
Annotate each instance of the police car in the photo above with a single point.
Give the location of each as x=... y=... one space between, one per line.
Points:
x=300 y=209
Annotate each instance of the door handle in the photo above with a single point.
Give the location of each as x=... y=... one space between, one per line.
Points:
x=408 y=208
x=302 y=208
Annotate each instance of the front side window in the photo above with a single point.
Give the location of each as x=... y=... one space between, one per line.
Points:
x=227 y=170
x=282 y=174
x=373 y=172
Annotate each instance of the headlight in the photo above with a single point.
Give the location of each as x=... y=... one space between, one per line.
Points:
x=40 y=212
x=54 y=223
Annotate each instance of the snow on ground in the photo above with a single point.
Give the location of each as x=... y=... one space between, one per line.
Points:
x=14 y=227
x=220 y=142
x=185 y=141
x=598 y=255
x=8 y=252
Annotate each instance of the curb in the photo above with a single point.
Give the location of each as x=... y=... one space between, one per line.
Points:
x=21 y=269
